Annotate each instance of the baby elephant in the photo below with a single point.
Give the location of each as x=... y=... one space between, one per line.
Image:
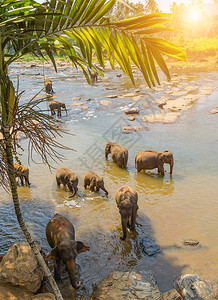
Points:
x=66 y=177
x=60 y=235
x=127 y=199
x=22 y=173
x=94 y=182
x=48 y=87
x=57 y=105
x=150 y=159
x=119 y=154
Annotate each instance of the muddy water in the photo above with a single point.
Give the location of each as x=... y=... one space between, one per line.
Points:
x=171 y=209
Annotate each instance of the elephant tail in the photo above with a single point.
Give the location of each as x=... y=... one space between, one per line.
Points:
x=125 y=158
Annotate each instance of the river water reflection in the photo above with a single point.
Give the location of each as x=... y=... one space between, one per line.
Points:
x=171 y=209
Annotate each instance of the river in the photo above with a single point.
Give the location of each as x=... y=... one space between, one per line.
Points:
x=171 y=208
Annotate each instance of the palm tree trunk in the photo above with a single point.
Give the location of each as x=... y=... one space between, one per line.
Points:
x=13 y=186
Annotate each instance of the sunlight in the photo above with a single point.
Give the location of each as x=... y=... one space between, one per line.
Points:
x=194 y=15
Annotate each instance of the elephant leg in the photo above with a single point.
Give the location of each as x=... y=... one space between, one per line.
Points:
x=85 y=185
x=57 y=271
x=124 y=227
x=128 y=224
x=160 y=169
x=133 y=220
x=58 y=182
x=21 y=180
x=97 y=189
x=91 y=188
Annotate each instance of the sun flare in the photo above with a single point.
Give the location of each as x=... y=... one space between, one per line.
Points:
x=194 y=15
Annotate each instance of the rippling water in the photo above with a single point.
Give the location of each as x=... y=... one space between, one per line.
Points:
x=171 y=209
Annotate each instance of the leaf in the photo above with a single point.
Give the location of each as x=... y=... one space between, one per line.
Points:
x=104 y=10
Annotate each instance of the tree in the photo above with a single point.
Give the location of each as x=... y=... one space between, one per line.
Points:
x=74 y=28
x=151 y=6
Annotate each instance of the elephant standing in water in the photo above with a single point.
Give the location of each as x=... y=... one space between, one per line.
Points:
x=60 y=235
x=94 y=77
x=22 y=173
x=48 y=87
x=66 y=177
x=127 y=199
x=150 y=159
x=94 y=182
x=119 y=154
x=57 y=105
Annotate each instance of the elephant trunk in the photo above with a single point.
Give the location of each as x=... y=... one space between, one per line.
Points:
x=107 y=150
x=124 y=226
x=104 y=189
x=74 y=190
x=171 y=167
x=71 y=271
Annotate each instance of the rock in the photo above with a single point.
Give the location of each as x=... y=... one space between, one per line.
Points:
x=193 y=287
x=213 y=111
x=109 y=88
x=105 y=102
x=130 y=95
x=172 y=295
x=149 y=246
x=131 y=118
x=88 y=99
x=160 y=105
x=132 y=111
x=11 y=292
x=76 y=104
x=20 y=267
x=191 y=242
x=175 y=74
x=161 y=118
x=130 y=129
x=119 y=75
x=84 y=107
x=128 y=285
x=111 y=96
x=76 y=99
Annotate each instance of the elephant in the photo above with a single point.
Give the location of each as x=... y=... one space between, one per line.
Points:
x=66 y=177
x=94 y=182
x=22 y=173
x=48 y=87
x=150 y=159
x=94 y=77
x=119 y=154
x=127 y=199
x=57 y=105
x=60 y=235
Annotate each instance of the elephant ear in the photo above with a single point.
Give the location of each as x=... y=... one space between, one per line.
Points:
x=82 y=247
x=74 y=248
x=53 y=254
x=162 y=157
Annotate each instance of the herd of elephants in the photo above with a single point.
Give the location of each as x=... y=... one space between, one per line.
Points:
x=60 y=231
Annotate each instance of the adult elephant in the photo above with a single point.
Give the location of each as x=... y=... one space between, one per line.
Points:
x=127 y=202
x=60 y=235
x=66 y=177
x=149 y=159
x=119 y=154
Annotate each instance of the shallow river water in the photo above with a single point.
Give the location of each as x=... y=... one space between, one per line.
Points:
x=171 y=209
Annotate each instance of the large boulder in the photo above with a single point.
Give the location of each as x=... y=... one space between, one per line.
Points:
x=20 y=267
x=193 y=287
x=172 y=295
x=128 y=285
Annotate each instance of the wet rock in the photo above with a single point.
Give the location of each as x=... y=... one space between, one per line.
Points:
x=105 y=102
x=10 y=292
x=76 y=104
x=88 y=99
x=191 y=286
x=131 y=118
x=175 y=74
x=172 y=295
x=119 y=75
x=149 y=246
x=161 y=118
x=46 y=296
x=111 y=96
x=213 y=111
x=84 y=107
x=132 y=111
x=130 y=129
x=161 y=104
x=33 y=66
x=191 y=242
x=128 y=285
x=110 y=89
x=129 y=95
x=20 y=267
x=76 y=99
x=181 y=103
